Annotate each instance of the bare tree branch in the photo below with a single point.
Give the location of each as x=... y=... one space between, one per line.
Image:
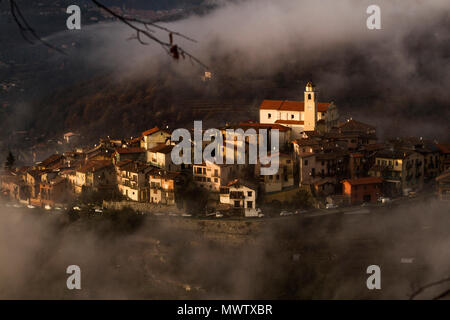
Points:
x=429 y=285
x=25 y=28
x=141 y=28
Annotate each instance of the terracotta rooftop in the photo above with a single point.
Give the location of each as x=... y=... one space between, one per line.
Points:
x=50 y=160
x=290 y=122
x=153 y=130
x=129 y=150
x=162 y=148
x=366 y=180
x=355 y=126
x=444 y=147
x=287 y=105
x=258 y=125
x=94 y=165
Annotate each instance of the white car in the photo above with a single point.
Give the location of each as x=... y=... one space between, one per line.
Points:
x=47 y=207
x=98 y=210
x=286 y=213
x=260 y=215
x=77 y=208
x=384 y=200
x=30 y=206
x=331 y=206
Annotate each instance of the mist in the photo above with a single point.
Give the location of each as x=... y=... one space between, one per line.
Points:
x=160 y=261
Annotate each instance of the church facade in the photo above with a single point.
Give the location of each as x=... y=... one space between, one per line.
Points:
x=300 y=116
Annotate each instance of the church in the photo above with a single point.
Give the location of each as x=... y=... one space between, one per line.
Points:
x=300 y=116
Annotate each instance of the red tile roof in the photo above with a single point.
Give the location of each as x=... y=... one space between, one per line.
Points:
x=162 y=148
x=366 y=180
x=264 y=125
x=153 y=130
x=94 y=165
x=130 y=150
x=290 y=122
x=287 y=105
x=150 y=131
x=444 y=147
x=355 y=126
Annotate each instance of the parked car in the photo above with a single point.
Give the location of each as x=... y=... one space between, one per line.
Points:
x=331 y=206
x=286 y=213
x=384 y=200
x=30 y=206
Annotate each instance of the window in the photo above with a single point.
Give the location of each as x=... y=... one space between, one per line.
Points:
x=249 y=193
x=216 y=180
x=249 y=204
x=309 y=96
x=269 y=116
x=237 y=204
x=306 y=162
x=292 y=116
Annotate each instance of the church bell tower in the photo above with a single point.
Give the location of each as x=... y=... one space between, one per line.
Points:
x=310 y=111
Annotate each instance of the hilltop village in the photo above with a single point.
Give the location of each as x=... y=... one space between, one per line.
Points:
x=324 y=162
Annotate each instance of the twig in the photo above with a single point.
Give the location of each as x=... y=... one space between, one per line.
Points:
x=429 y=285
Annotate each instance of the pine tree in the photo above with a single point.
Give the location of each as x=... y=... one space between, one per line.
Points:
x=10 y=160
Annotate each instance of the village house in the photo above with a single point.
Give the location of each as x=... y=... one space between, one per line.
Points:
x=71 y=137
x=428 y=149
x=237 y=139
x=444 y=161
x=133 y=154
x=13 y=187
x=402 y=171
x=359 y=190
x=443 y=186
x=33 y=180
x=212 y=176
x=153 y=137
x=53 y=190
x=70 y=174
x=323 y=171
x=240 y=196
x=133 y=181
x=283 y=179
x=163 y=187
x=99 y=152
x=357 y=165
x=160 y=157
x=300 y=116
x=94 y=176
x=54 y=161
